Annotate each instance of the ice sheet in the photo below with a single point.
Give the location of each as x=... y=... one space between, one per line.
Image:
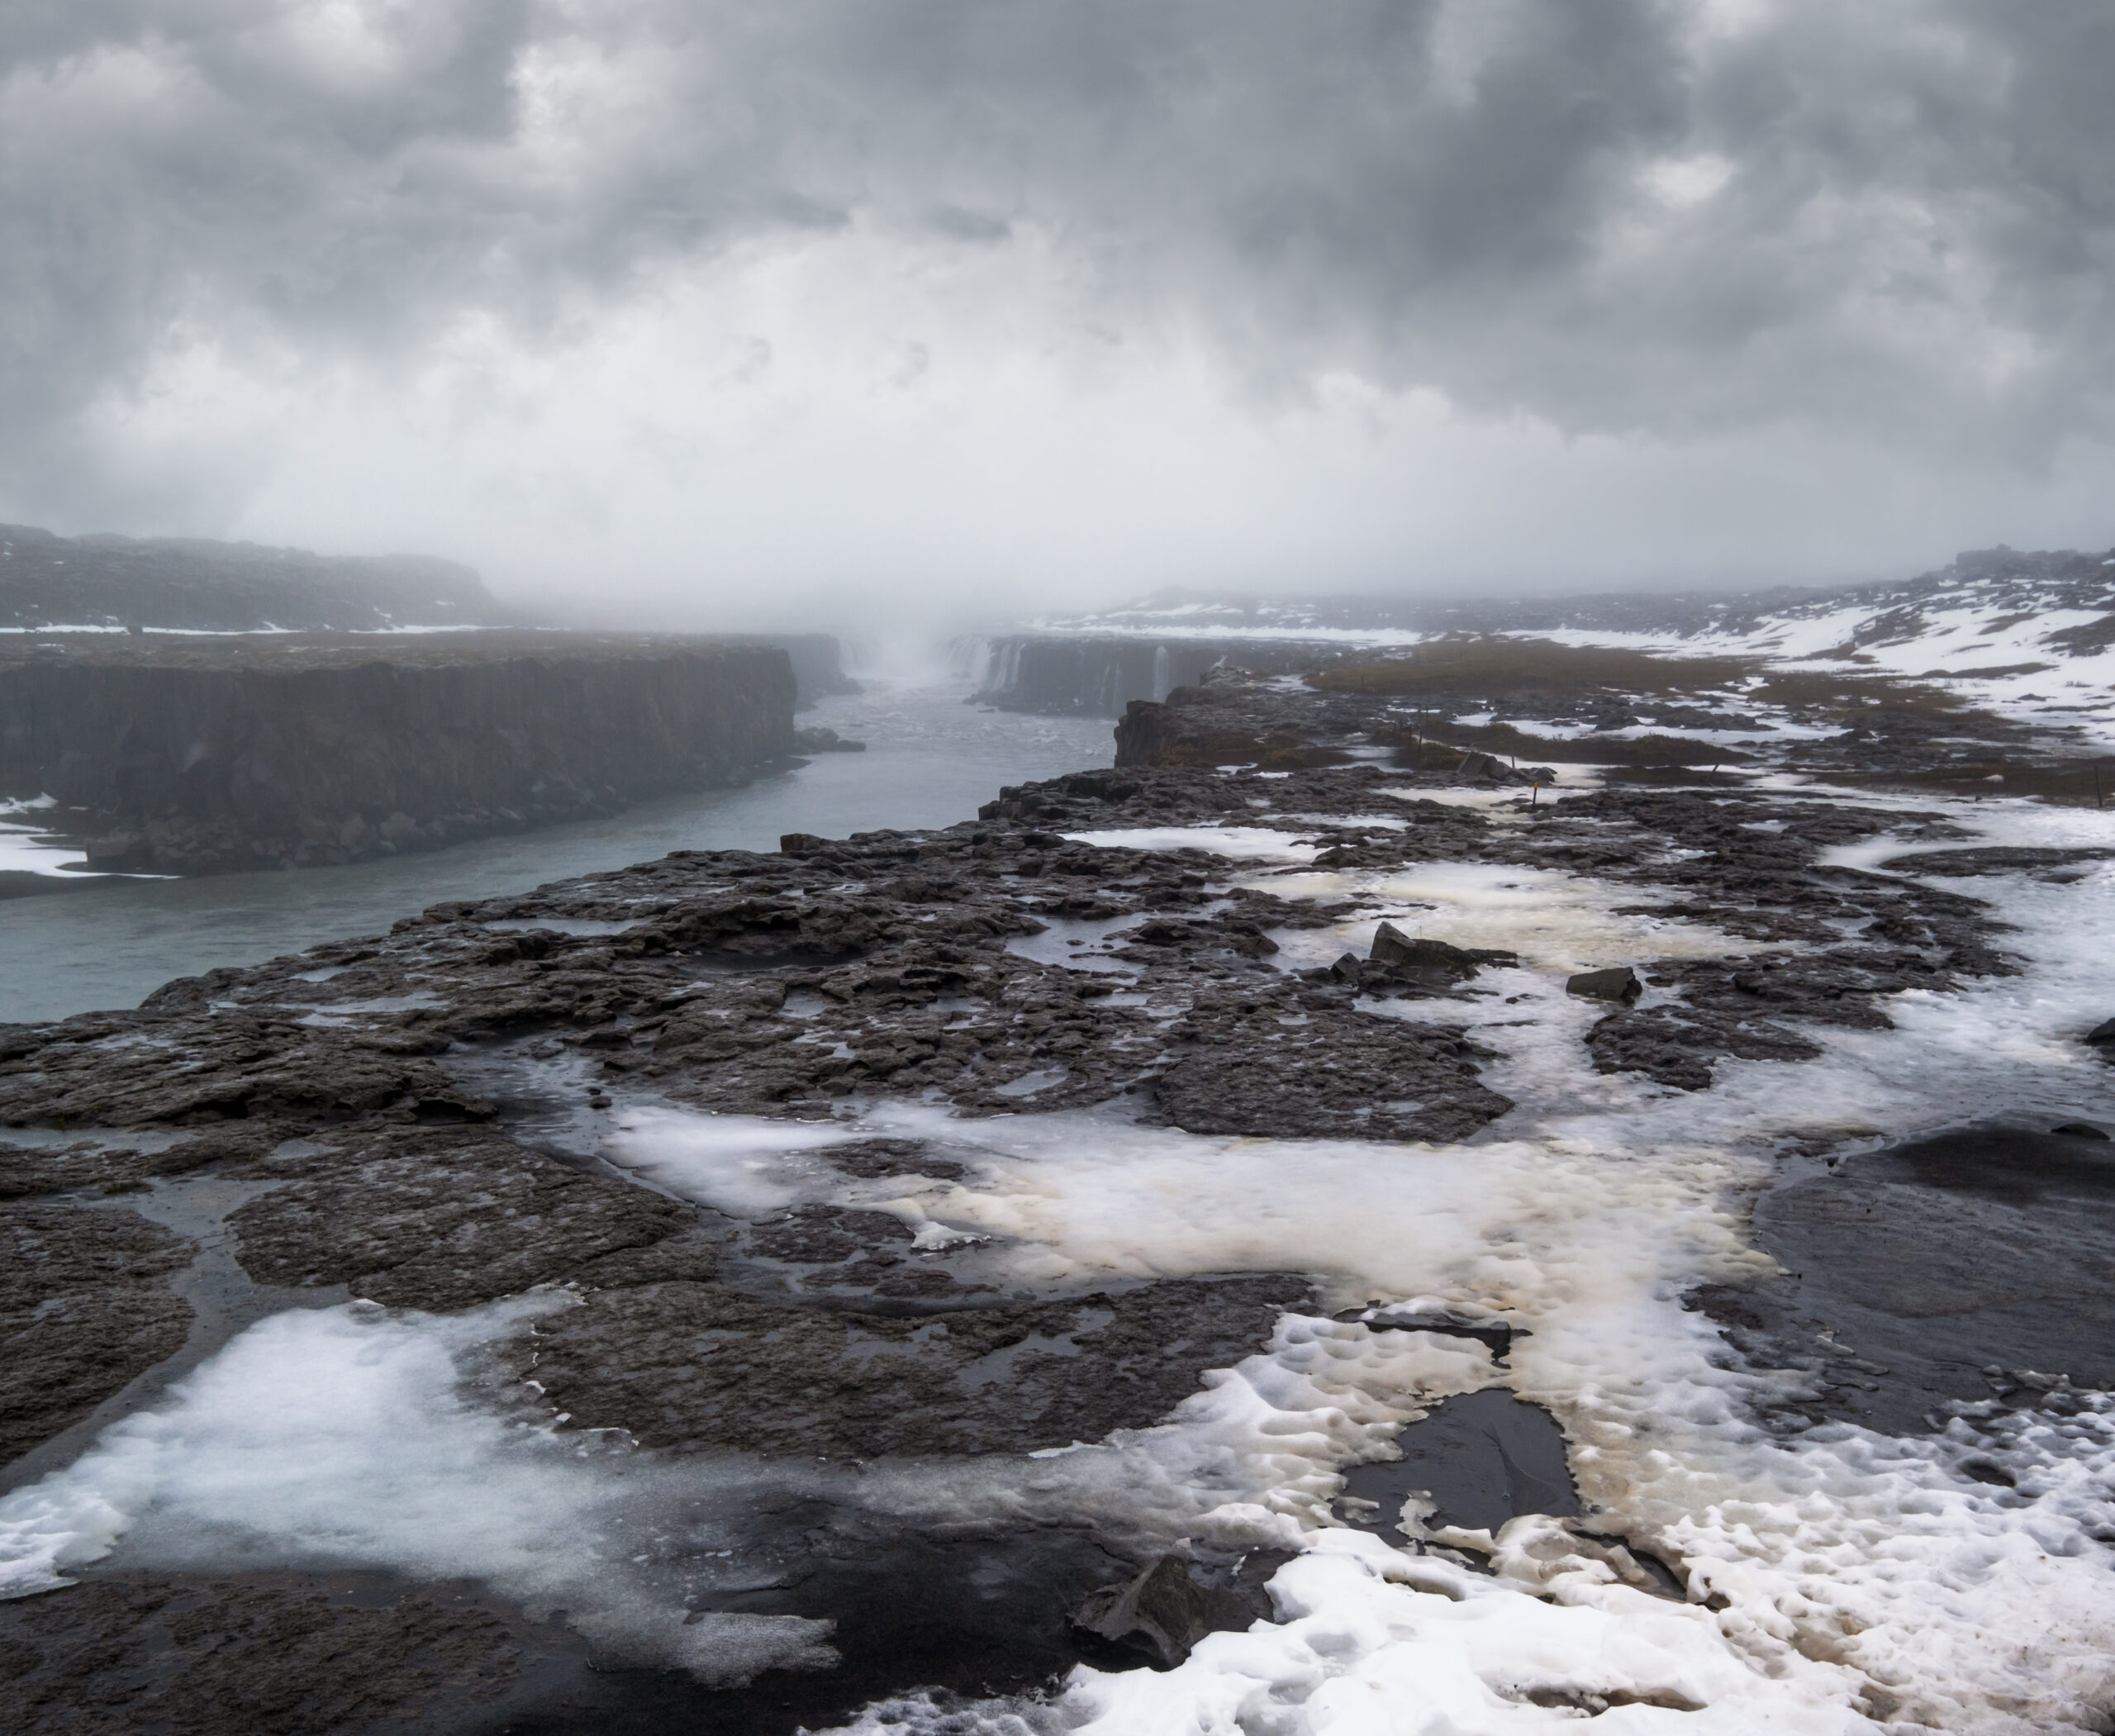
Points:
x=1557 y=923
x=748 y=1165
x=1244 y=842
x=342 y=1436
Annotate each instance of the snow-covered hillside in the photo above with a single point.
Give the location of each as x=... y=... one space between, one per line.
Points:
x=2031 y=635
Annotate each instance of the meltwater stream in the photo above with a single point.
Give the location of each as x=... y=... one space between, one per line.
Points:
x=930 y=761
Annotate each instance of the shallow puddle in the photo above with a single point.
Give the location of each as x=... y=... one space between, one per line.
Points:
x=1483 y=1457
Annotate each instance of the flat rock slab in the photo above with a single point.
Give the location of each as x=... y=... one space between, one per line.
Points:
x=196 y=1657
x=83 y=1310
x=1994 y=859
x=690 y=1366
x=1912 y=1272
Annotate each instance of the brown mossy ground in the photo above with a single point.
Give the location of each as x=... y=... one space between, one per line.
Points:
x=1497 y=662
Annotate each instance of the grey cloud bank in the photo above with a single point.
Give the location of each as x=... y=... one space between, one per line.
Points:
x=675 y=300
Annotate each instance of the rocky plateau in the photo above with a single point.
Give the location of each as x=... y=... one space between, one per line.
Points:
x=422 y=1120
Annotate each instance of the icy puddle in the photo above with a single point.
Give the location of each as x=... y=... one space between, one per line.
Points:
x=1556 y=922
x=1512 y=1513
x=1244 y=843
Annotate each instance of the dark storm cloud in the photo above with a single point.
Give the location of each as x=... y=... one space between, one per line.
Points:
x=1615 y=214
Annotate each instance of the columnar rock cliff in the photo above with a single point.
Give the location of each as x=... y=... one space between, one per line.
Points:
x=1098 y=675
x=818 y=661
x=203 y=756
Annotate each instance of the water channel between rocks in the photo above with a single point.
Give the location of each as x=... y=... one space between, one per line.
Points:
x=931 y=760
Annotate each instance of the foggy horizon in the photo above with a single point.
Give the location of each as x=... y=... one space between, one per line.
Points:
x=674 y=314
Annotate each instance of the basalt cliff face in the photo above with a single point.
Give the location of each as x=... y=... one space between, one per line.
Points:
x=210 y=756
x=1097 y=675
x=818 y=661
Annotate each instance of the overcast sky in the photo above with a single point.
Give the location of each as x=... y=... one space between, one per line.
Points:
x=708 y=307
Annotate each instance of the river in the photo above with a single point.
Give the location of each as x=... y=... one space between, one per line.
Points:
x=931 y=760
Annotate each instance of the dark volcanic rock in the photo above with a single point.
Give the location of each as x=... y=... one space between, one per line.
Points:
x=1253 y=1070
x=421 y=1118
x=1936 y=1273
x=816 y=740
x=1991 y=859
x=106 y=1162
x=196 y=1067
x=1163 y=1612
x=697 y=1365
x=1433 y=960
x=1618 y=982
x=1676 y=1045
x=215 y=1658
x=413 y=1218
x=83 y=1311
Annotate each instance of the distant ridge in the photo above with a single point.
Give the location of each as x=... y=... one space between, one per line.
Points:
x=2025 y=580
x=184 y=583
x=2029 y=634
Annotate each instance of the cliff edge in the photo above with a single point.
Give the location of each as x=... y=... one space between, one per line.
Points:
x=208 y=755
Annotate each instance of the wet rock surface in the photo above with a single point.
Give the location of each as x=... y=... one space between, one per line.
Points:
x=1952 y=1270
x=82 y=1310
x=689 y=1365
x=218 y=1657
x=1616 y=982
x=428 y=1120
x=413 y=1219
x=1170 y=1605
x=1478 y=1459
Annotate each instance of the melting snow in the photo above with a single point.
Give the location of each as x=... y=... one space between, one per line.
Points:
x=1837 y=1577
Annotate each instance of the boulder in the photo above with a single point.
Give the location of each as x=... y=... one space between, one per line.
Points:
x=118 y=851
x=2101 y=1036
x=815 y=739
x=1163 y=1612
x=1618 y=982
x=1490 y=768
x=1432 y=964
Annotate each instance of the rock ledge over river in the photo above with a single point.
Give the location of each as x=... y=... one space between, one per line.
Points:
x=207 y=754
